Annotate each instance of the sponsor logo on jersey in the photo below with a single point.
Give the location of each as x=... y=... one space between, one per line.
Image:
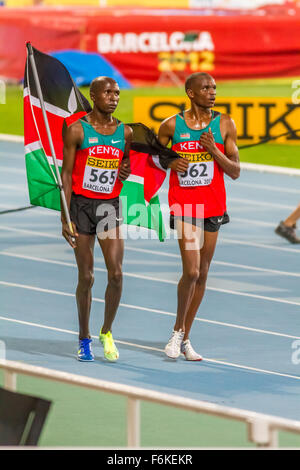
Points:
x=107 y=163
x=197 y=157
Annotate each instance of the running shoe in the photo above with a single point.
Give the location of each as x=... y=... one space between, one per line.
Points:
x=287 y=232
x=189 y=352
x=111 y=352
x=85 y=350
x=172 y=349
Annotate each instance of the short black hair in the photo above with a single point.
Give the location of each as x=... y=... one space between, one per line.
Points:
x=99 y=81
x=193 y=77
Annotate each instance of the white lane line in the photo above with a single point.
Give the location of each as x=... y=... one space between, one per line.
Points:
x=12 y=155
x=37 y=211
x=9 y=155
x=153 y=252
x=30 y=232
x=15 y=188
x=221 y=240
x=260 y=223
x=38 y=325
x=251 y=222
x=12 y=170
x=151 y=348
x=275 y=189
x=162 y=280
x=251 y=202
x=255 y=268
x=259 y=245
x=254 y=369
x=223 y=263
x=148 y=309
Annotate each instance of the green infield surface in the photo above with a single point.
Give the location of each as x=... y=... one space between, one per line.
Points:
x=11 y=113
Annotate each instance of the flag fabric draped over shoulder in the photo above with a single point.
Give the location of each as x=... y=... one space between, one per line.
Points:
x=149 y=162
x=64 y=104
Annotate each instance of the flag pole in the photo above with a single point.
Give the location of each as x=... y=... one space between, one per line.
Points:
x=53 y=155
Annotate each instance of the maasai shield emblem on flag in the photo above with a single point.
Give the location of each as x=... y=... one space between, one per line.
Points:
x=64 y=104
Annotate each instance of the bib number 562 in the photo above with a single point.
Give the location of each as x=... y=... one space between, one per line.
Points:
x=196 y=170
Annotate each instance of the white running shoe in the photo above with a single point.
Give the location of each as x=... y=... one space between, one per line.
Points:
x=189 y=352
x=172 y=349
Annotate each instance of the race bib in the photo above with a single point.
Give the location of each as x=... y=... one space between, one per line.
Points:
x=100 y=175
x=200 y=171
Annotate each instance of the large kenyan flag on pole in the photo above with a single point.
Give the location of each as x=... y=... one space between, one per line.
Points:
x=61 y=100
x=64 y=104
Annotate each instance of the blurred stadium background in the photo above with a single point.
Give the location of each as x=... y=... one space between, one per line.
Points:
x=251 y=48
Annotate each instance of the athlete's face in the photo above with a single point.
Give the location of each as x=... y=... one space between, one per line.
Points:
x=203 y=92
x=106 y=96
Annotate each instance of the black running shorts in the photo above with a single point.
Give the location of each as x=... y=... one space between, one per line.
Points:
x=92 y=216
x=211 y=224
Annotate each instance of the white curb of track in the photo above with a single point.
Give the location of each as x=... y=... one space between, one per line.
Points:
x=12 y=138
x=270 y=169
x=244 y=166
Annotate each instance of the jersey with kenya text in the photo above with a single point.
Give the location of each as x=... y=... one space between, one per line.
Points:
x=200 y=191
x=96 y=167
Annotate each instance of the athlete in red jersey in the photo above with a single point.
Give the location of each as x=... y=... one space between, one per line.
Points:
x=196 y=180
x=96 y=160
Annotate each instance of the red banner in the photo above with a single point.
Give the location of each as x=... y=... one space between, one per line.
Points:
x=146 y=44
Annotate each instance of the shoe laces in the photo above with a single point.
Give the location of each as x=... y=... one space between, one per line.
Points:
x=84 y=345
x=188 y=347
x=109 y=342
x=176 y=338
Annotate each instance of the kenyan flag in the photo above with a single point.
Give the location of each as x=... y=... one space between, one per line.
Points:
x=62 y=99
x=64 y=104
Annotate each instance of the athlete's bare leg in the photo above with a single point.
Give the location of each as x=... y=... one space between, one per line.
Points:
x=113 y=251
x=85 y=262
x=293 y=217
x=206 y=255
x=189 y=244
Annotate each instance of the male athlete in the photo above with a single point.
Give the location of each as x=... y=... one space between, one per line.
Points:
x=96 y=161
x=206 y=141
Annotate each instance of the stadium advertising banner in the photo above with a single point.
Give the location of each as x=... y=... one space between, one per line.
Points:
x=256 y=119
x=145 y=45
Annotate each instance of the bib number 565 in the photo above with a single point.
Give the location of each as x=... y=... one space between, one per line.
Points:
x=104 y=177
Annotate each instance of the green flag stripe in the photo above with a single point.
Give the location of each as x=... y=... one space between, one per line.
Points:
x=42 y=187
x=135 y=211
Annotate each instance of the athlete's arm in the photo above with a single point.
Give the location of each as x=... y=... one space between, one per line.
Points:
x=230 y=161
x=165 y=134
x=72 y=140
x=124 y=170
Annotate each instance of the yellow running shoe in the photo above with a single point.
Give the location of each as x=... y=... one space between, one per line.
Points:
x=111 y=352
